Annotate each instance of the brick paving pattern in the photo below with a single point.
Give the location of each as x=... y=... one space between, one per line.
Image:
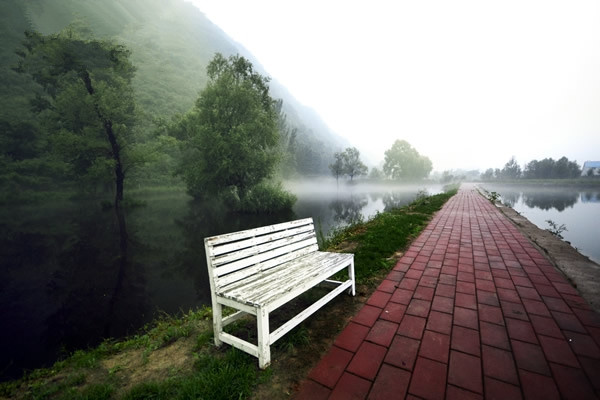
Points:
x=472 y=310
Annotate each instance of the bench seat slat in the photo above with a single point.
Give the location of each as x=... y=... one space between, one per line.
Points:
x=262 y=289
x=246 y=262
x=228 y=247
x=223 y=281
x=234 y=236
x=297 y=267
x=257 y=249
x=285 y=282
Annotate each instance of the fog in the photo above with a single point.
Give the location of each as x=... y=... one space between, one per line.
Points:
x=326 y=186
x=334 y=204
x=468 y=84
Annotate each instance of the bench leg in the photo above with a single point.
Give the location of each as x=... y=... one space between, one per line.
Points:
x=264 y=345
x=217 y=312
x=352 y=290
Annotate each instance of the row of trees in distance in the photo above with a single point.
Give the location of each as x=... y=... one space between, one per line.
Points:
x=402 y=162
x=547 y=168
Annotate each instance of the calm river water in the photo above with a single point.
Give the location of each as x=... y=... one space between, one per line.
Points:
x=578 y=209
x=64 y=286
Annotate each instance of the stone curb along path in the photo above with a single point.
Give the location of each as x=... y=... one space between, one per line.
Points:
x=472 y=310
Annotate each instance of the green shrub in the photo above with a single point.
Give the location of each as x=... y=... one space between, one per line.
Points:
x=266 y=197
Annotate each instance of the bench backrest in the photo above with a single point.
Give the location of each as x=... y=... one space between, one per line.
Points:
x=235 y=256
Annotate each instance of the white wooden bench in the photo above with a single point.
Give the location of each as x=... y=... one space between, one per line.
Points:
x=258 y=270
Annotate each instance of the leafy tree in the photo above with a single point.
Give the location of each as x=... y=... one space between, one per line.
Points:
x=87 y=101
x=376 y=174
x=287 y=141
x=233 y=134
x=488 y=174
x=447 y=177
x=402 y=161
x=548 y=168
x=352 y=166
x=337 y=167
x=511 y=169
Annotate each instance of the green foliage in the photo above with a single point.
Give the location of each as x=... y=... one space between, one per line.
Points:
x=337 y=167
x=402 y=161
x=549 y=168
x=266 y=197
x=234 y=376
x=511 y=170
x=170 y=42
x=556 y=229
x=488 y=174
x=151 y=390
x=493 y=197
x=348 y=163
x=287 y=141
x=87 y=105
x=42 y=390
x=230 y=139
x=235 y=132
x=376 y=174
x=232 y=131
x=297 y=337
x=230 y=377
x=101 y=391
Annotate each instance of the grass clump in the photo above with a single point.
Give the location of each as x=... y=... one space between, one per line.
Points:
x=220 y=378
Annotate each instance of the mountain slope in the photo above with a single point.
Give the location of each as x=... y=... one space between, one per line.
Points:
x=172 y=42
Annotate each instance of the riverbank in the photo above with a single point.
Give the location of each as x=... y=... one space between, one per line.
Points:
x=582 y=273
x=174 y=357
x=581 y=182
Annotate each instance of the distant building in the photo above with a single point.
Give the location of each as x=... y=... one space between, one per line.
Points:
x=594 y=166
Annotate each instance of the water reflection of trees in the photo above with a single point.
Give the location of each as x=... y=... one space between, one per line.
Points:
x=510 y=197
x=348 y=210
x=544 y=198
x=392 y=200
x=69 y=282
x=590 y=197
x=549 y=200
x=98 y=290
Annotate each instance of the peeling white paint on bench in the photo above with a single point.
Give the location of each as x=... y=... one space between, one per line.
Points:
x=258 y=270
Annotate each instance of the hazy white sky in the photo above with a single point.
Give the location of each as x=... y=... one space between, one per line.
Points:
x=467 y=83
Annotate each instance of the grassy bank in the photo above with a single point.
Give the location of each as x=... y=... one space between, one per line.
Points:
x=174 y=357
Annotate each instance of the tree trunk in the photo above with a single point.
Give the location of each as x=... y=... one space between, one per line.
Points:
x=112 y=139
x=116 y=153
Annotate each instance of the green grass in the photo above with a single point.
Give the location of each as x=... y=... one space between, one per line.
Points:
x=230 y=377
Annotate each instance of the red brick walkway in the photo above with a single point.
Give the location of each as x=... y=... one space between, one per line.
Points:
x=472 y=310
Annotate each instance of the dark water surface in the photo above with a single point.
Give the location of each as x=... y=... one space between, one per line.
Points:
x=64 y=285
x=577 y=208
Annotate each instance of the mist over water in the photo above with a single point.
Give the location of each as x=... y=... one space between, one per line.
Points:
x=334 y=204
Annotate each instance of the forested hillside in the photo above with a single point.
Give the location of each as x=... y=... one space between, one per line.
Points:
x=171 y=43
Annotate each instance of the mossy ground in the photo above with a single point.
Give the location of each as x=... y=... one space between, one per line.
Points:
x=174 y=358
